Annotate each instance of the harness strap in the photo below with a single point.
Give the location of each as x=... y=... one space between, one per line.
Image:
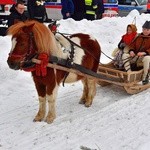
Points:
x=69 y=63
x=62 y=62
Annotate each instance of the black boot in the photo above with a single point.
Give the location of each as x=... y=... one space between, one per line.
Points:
x=146 y=81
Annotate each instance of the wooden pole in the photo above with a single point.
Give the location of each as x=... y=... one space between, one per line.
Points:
x=55 y=66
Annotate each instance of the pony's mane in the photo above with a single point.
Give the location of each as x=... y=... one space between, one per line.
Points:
x=44 y=38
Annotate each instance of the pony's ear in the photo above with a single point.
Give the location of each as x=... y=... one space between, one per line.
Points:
x=28 y=29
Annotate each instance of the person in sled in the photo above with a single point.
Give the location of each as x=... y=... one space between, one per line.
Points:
x=139 y=51
x=131 y=33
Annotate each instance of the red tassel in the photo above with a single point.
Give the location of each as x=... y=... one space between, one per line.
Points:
x=53 y=28
x=41 y=69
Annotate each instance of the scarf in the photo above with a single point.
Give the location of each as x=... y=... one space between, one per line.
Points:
x=128 y=38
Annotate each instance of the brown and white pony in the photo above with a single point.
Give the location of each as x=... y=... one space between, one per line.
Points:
x=31 y=38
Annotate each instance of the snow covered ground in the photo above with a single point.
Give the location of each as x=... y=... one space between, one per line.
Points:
x=115 y=121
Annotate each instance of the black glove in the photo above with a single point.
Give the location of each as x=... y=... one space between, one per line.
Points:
x=122 y=45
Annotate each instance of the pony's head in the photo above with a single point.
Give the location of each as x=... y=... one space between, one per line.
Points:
x=28 y=39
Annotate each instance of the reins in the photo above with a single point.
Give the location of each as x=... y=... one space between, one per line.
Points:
x=115 y=60
x=63 y=34
x=108 y=56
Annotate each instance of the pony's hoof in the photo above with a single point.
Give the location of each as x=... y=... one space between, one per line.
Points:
x=87 y=104
x=82 y=101
x=38 y=118
x=49 y=120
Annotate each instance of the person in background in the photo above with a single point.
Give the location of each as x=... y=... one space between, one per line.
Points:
x=139 y=51
x=67 y=8
x=131 y=33
x=37 y=10
x=90 y=7
x=100 y=9
x=17 y=13
x=79 y=10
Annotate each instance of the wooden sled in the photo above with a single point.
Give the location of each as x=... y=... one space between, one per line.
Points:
x=131 y=80
x=108 y=74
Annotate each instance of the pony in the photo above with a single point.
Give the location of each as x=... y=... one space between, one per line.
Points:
x=32 y=39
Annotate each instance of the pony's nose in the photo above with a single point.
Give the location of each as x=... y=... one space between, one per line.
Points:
x=13 y=65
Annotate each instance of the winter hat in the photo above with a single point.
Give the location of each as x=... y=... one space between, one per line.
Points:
x=133 y=27
x=146 y=25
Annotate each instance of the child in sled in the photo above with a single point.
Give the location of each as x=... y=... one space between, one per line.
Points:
x=139 y=51
x=126 y=40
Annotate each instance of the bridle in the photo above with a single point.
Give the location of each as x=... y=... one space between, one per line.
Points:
x=31 y=52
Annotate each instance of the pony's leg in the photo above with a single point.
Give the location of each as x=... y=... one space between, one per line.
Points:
x=41 y=89
x=89 y=92
x=51 y=105
x=85 y=92
x=42 y=109
x=91 y=86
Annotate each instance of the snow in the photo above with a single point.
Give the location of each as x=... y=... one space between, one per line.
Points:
x=115 y=121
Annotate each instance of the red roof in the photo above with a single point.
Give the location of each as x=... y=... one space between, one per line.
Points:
x=7 y=2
